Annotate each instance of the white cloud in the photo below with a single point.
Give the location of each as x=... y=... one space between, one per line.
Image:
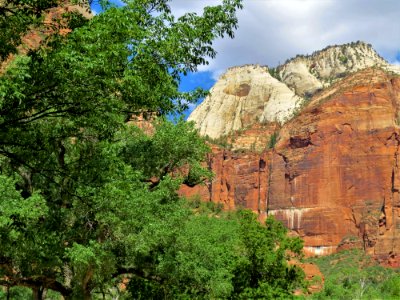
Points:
x=180 y=7
x=271 y=31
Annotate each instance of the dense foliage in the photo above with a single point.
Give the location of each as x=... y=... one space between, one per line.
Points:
x=225 y=256
x=86 y=199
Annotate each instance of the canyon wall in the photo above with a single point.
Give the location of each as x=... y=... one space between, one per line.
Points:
x=335 y=176
x=332 y=176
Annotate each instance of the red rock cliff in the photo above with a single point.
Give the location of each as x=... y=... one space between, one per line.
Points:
x=333 y=177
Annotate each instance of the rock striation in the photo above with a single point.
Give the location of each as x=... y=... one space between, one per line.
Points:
x=334 y=172
x=333 y=176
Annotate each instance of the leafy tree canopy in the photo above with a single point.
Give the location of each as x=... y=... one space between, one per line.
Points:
x=86 y=198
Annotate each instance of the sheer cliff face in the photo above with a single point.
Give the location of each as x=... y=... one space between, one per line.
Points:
x=249 y=95
x=334 y=172
x=333 y=177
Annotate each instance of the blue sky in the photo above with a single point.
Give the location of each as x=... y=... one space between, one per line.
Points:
x=193 y=80
x=271 y=31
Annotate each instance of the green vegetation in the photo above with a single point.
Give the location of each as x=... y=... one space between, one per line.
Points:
x=343 y=59
x=226 y=257
x=274 y=72
x=223 y=141
x=273 y=139
x=354 y=275
x=87 y=200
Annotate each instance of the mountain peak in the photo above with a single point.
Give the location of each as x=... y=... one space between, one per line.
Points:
x=305 y=74
x=250 y=94
x=359 y=46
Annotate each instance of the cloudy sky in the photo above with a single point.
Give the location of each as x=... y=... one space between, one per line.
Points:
x=271 y=31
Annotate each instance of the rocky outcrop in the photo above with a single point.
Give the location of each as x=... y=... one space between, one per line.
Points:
x=257 y=138
x=145 y=120
x=308 y=74
x=314 y=277
x=333 y=176
x=242 y=97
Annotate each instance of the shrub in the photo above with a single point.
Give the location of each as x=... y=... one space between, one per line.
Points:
x=273 y=139
x=343 y=59
x=274 y=72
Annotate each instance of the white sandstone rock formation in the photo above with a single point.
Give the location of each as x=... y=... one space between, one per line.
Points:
x=241 y=97
x=307 y=74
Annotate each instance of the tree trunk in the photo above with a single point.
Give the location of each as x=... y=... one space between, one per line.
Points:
x=83 y=294
x=87 y=295
x=37 y=293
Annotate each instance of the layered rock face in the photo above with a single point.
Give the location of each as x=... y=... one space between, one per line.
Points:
x=333 y=176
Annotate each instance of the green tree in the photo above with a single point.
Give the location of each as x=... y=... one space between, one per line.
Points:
x=266 y=273
x=86 y=198
x=76 y=207
x=18 y=17
x=225 y=256
x=353 y=274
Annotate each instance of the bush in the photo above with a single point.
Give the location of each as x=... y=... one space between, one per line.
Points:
x=343 y=59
